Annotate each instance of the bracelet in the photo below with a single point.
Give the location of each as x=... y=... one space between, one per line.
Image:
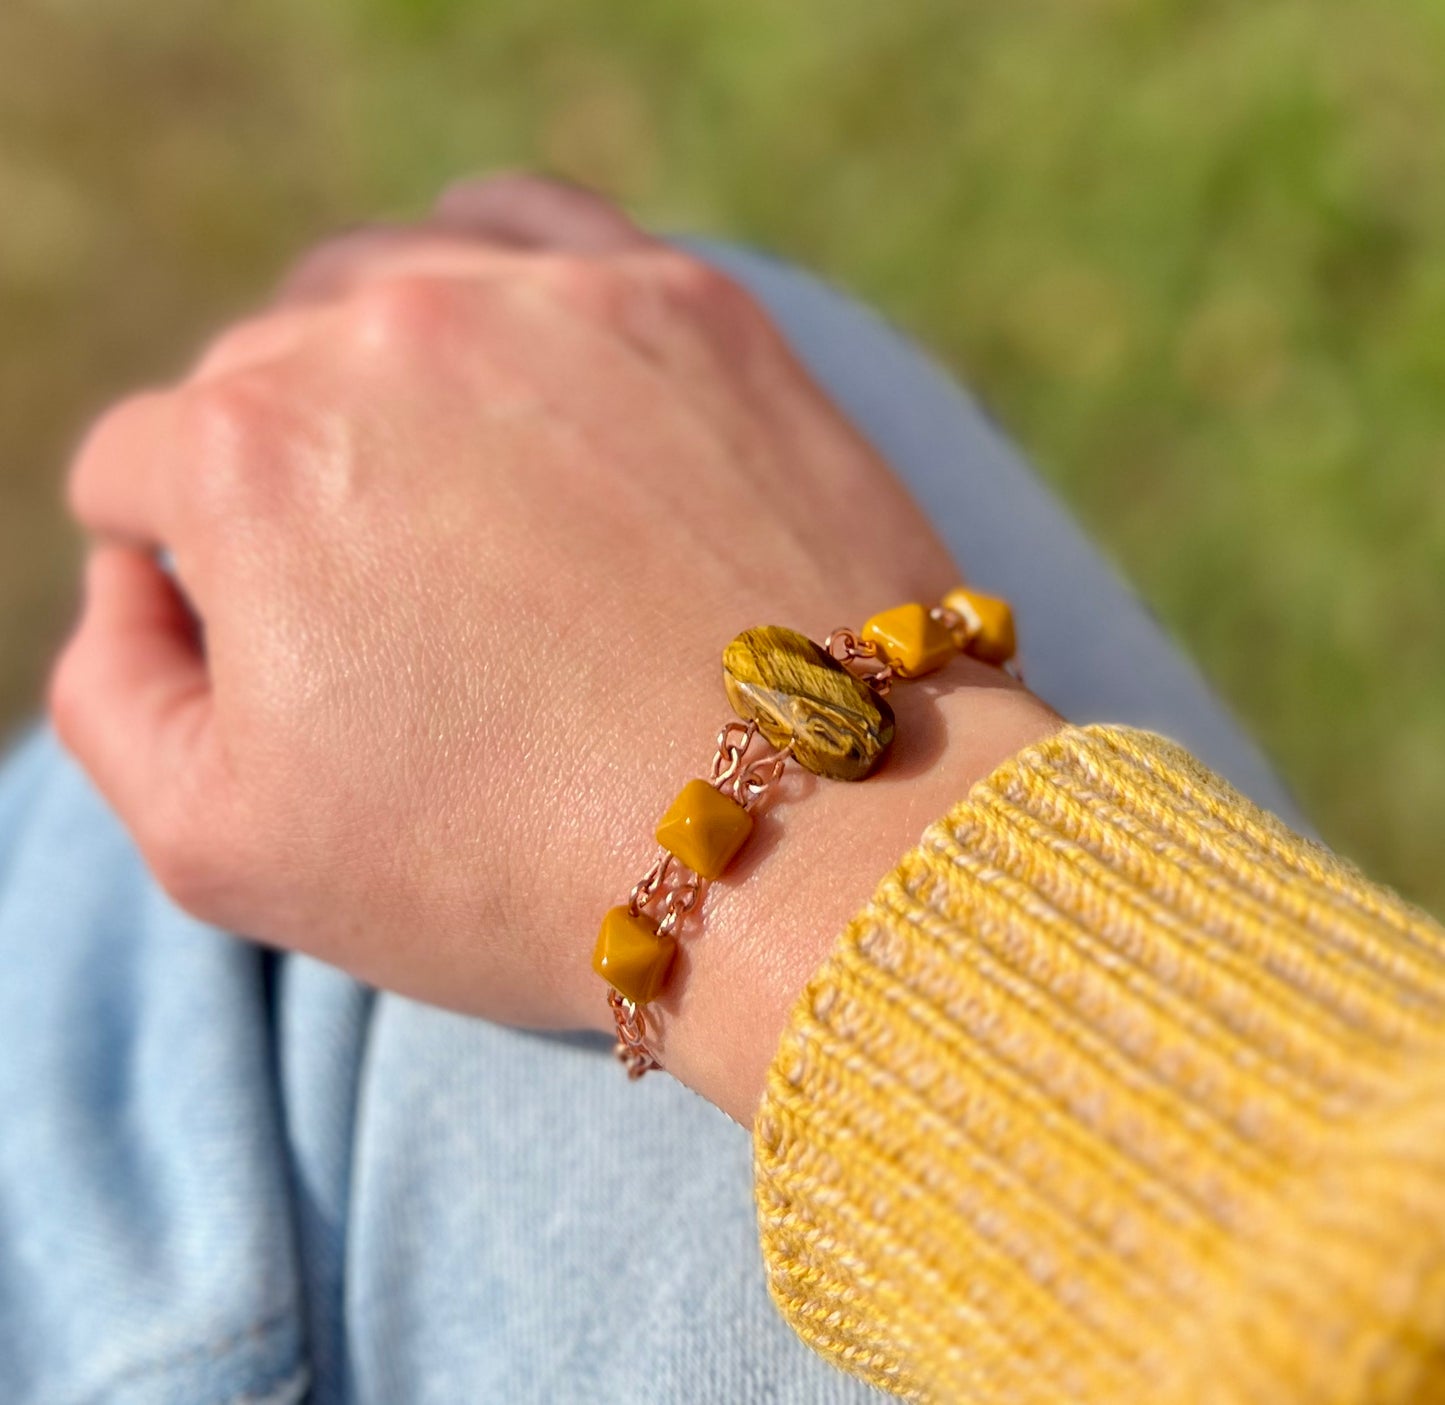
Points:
x=822 y=705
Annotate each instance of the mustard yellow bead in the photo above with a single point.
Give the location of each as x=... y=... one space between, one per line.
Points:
x=988 y=632
x=704 y=828
x=910 y=639
x=631 y=956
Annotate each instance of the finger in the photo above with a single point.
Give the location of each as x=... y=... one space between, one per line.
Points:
x=115 y=484
x=473 y=226
x=272 y=336
x=337 y=267
x=130 y=696
x=533 y=212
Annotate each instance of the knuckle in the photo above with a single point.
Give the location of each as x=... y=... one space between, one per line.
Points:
x=694 y=285
x=227 y=427
x=401 y=313
x=333 y=265
x=102 y=450
x=319 y=267
x=721 y=311
x=679 y=291
x=244 y=343
x=595 y=287
x=227 y=417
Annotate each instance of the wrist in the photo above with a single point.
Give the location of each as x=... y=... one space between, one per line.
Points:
x=814 y=861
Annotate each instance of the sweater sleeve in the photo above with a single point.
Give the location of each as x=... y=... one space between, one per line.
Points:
x=1117 y=1090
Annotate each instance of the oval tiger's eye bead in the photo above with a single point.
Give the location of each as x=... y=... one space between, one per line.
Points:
x=631 y=956
x=989 y=633
x=803 y=698
x=910 y=639
x=704 y=828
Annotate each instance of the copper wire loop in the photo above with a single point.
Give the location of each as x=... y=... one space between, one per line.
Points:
x=631 y=1047
x=677 y=904
x=845 y=646
x=733 y=740
x=965 y=629
x=734 y=775
x=646 y=887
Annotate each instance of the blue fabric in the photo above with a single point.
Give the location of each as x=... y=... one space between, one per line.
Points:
x=230 y=1176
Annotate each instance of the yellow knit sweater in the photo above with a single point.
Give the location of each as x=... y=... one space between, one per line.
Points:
x=1117 y=1091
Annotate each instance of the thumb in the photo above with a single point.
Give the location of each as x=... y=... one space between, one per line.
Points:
x=130 y=697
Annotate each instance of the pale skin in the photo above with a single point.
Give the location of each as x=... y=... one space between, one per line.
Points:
x=468 y=513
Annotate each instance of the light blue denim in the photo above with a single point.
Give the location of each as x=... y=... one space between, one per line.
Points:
x=231 y=1176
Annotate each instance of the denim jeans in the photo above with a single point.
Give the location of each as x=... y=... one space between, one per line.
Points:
x=227 y=1175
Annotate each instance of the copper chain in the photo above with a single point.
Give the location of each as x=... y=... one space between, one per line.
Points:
x=674 y=890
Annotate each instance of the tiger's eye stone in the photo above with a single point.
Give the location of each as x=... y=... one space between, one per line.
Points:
x=802 y=698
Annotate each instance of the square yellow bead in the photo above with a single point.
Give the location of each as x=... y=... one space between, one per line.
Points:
x=704 y=828
x=990 y=634
x=910 y=639
x=631 y=956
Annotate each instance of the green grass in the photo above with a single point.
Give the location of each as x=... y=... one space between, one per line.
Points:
x=1193 y=255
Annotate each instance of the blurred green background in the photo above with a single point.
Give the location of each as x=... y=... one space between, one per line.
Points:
x=1192 y=254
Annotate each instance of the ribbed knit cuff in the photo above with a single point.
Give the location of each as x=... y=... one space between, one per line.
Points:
x=1116 y=1091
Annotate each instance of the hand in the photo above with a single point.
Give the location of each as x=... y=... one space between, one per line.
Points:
x=461 y=523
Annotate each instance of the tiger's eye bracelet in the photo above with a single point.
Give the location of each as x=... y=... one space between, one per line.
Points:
x=822 y=705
